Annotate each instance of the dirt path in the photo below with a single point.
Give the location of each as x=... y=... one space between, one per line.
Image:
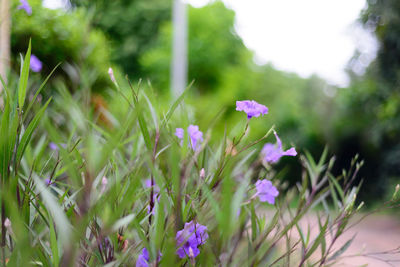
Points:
x=375 y=234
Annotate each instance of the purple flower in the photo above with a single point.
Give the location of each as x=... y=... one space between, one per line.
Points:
x=272 y=153
x=55 y=147
x=196 y=136
x=25 y=6
x=252 y=108
x=189 y=238
x=179 y=133
x=48 y=182
x=35 y=64
x=144 y=258
x=266 y=191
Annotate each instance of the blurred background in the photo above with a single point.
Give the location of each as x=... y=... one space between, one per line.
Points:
x=328 y=70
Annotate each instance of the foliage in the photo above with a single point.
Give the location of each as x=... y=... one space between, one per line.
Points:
x=131 y=25
x=222 y=68
x=367 y=115
x=63 y=37
x=83 y=199
x=214 y=47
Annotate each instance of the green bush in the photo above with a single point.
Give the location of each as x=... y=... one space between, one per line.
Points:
x=65 y=37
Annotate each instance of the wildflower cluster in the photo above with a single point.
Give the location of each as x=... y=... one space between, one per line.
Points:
x=195 y=136
x=190 y=238
x=129 y=192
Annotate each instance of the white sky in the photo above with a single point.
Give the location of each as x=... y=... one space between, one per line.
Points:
x=302 y=36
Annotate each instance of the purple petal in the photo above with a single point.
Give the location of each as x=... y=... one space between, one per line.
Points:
x=278 y=141
x=266 y=191
x=53 y=146
x=290 y=152
x=189 y=238
x=25 y=6
x=35 y=64
x=179 y=133
x=251 y=108
x=196 y=136
x=271 y=153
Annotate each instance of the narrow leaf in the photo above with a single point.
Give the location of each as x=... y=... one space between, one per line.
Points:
x=23 y=79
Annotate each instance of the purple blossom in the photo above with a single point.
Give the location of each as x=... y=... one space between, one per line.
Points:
x=272 y=153
x=266 y=192
x=144 y=258
x=55 y=147
x=179 y=133
x=252 y=108
x=35 y=64
x=48 y=182
x=25 y=6
x=195 y=135
x=189 y=238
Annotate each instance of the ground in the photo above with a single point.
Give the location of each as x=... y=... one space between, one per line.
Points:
x=375 y=235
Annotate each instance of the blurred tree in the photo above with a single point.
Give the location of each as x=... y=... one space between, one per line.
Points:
x=368 y=112
x=131 y=25
x=224 y=71
x=382 y=18
x=213 y=48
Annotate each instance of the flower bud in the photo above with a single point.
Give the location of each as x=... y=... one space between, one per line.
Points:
x=111 y=73
x=202 y=173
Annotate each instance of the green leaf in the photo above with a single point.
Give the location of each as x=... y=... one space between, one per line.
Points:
x=323 y=241
x=38 y=91
x=318 y=240
x=143 y=127
x=253 y=222
x=176 y=104
x=5 y=153
x=56 y=212
x=342 y=249
x=23 y=79
x=337 y=186
x=3 y=83
x=29 y=130
x=152 y=111
x=53 y=243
